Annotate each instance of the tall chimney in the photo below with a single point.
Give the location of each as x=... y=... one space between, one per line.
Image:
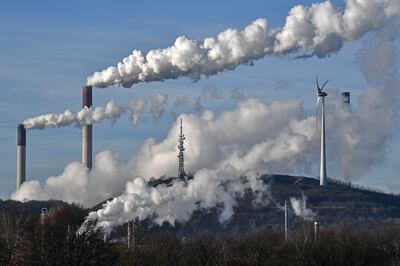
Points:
x=87 y=131
x=346 y=97
x=21 y=155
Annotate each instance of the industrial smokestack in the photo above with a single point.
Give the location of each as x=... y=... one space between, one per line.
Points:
x=21 y=155
x=346 y=97
x=87 y=131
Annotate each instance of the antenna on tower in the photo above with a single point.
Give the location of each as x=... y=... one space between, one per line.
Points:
x=321 y=100
x=181 y=147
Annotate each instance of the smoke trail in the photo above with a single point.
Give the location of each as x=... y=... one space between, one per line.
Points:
x=249 y=138
x=111 y=111
x=158 y=105
x=317 y=30
x=365 y=131
x=299 y=207
x=377 y=58
x=84 y=117
x=208 y=189
x=254 y=137
x=137 y=107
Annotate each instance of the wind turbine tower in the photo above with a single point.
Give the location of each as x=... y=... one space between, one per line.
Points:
x=321 y=99
x=181 y=147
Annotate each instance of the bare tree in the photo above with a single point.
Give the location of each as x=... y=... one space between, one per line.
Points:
x=13 y=234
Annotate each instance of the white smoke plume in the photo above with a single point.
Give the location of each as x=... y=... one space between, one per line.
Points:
x=137 y=107
x=158 y=105
x=299 y=207
x=84 y=117
x=319 y=30
x=111 y=111
x=219 y=150
x=253 y=138
x=377 y=59
x=176 y=202
x=366 y=130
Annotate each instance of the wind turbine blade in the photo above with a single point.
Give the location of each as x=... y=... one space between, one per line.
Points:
x=324 y=85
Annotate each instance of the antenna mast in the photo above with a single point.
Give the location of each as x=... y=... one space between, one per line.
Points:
x=181 y=147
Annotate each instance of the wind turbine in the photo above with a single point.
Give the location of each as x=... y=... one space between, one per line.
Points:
x=321 y=99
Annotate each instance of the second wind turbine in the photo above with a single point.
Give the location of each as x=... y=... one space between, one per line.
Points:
x=321 y=99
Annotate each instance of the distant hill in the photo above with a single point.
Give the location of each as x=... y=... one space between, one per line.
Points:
x=32 y=206
x=337 y=203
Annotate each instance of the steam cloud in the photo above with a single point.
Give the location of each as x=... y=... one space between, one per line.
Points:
x=272 y=138
x=220 y=152
x=299 y=207
x=137 y=107
x=84 y=117
x=253 y=138
x=111 y=111
x=158 y=105
x=318 y=30
x=208 y=189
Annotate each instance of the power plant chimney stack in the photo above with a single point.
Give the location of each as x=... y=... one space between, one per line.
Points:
x=346 y=97
x=21 y=155
x=87 y=131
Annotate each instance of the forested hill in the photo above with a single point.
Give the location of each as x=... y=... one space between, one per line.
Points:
x=336 y=203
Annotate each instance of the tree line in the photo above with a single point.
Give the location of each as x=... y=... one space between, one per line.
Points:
x=58 y=239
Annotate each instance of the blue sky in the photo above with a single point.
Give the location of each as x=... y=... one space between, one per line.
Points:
x=48 y=48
